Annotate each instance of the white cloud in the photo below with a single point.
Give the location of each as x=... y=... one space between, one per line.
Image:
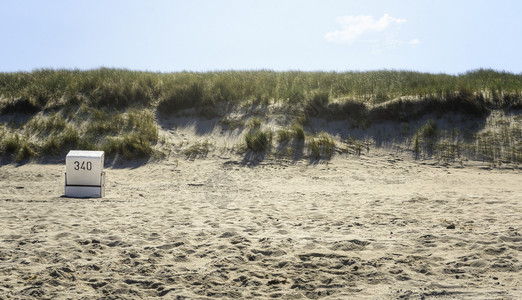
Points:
x=414 y=42
x=353 y=27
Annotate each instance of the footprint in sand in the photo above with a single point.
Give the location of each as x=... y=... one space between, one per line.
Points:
x=221 y=189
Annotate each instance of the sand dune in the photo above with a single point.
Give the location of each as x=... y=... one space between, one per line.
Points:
x=378 y=226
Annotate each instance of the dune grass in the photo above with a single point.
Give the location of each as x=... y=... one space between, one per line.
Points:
x=283 y=135
x=119 y=89
x=321 y=146
x=258 y=140
x=254 y=123
x=130 y=134
x=198 y=149
x=47 y=112
x=499 y=143
x=232 y=123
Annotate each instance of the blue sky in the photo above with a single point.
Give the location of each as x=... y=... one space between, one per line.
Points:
x=437 y=36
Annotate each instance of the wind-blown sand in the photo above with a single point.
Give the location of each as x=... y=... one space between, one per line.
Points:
x=376 y=226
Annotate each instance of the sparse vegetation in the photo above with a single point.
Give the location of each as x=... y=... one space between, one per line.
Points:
x=198 y=149
x=284 y=135
x=499 y=143
x=321 y=146
x=429 y=130
x=297 y=131
x=258 y=140
x=232 y=123
x=254 y=123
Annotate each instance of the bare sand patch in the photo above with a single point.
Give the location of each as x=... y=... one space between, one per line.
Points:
x=376 y=226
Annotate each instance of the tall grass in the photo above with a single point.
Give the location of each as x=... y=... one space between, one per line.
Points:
x=321 y=146
x=130 y=134
x=258 y=140
x=114 y=109
x=118 y=89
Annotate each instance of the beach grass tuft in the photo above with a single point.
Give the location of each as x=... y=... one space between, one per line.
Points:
x=258 y=140
x=321 y=146
x=198 y=149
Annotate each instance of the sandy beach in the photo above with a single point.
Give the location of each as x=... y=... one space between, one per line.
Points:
x=261 y=150
x=378 y=226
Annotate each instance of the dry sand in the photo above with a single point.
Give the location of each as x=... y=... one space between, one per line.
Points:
x=376 y=226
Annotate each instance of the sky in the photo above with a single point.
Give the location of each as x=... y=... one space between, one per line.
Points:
x=436 y=36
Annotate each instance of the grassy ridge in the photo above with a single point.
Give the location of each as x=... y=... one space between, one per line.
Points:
x=118 y=89
x=114 y=110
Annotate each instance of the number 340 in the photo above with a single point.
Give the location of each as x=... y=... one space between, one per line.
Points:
x=82 y=165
